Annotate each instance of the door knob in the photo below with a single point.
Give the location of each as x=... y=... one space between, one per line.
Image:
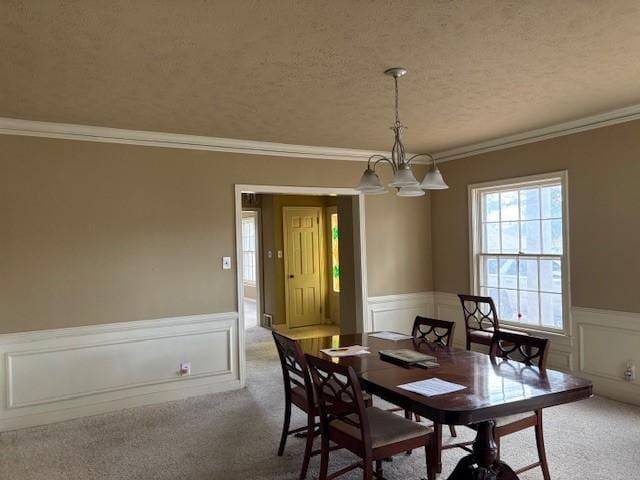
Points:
x=291 y=276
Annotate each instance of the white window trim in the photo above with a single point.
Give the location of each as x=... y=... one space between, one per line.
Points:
x=253 y=219
x=474 y=191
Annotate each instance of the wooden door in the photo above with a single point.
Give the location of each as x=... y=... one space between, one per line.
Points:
x=304 y=265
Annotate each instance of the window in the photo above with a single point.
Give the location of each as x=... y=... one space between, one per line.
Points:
x=518 y=250
x=249 y=250
x=335 y=254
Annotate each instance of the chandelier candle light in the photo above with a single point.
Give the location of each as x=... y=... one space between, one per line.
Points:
x=404 y=181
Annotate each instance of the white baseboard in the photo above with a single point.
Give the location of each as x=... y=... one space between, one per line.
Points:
x=55 y=375
x=598 y=347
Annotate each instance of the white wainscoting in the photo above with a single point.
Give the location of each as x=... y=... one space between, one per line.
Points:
x=54 y=375
x=397 y=312
x=598 y=346
x=607 y=339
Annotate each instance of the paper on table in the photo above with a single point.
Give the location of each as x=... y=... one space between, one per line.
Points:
x=345 y=351
x=431 y=387
x=393 y=336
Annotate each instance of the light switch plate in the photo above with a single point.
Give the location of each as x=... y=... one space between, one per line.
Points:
x=279 y=253
x=226 y=263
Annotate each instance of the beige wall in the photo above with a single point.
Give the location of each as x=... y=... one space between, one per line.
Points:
x=604 y=210
x=97 y=233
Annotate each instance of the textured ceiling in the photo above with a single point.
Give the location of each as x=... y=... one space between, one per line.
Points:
x=310 y=72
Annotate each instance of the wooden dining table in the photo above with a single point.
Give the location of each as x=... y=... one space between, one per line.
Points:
x=493 y=389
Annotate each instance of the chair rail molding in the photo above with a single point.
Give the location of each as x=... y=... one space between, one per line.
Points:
x=54 y=375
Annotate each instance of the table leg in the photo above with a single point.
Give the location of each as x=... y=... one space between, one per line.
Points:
x=483 y=464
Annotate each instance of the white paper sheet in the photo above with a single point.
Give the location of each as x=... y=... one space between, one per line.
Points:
x=345 y=351
x=431 y=387
x=393 y=336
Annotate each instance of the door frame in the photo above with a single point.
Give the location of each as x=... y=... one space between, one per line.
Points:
x=322 y=260
x=361 y=267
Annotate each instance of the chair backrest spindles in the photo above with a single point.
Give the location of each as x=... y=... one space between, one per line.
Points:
x=433 y=331
x=479 y=313
x=339 y=395
x=295 y=371
x=532 y=351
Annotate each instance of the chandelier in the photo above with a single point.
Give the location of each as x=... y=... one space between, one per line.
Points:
x=404 y=181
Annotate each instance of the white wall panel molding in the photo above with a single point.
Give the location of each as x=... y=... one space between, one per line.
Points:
x=55 y=375
x=397 y=312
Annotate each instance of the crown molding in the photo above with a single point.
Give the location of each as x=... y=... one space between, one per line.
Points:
x=613 y=117
x=14 y=126
x=68 y=131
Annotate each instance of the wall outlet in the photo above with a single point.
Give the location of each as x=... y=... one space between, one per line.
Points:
x=185 y=369
x=226 y=263
x=630 y=372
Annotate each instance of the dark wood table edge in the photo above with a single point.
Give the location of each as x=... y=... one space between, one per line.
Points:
x=469 y=417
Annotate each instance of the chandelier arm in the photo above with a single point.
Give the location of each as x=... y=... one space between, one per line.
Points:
x=374 y=163
x=422 y=155
x=384 y=159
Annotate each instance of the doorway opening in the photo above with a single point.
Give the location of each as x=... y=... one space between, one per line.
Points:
x=307 y=263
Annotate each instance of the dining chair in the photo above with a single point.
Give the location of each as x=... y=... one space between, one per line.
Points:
x=438 y=333
x=532 y=352
x=298 y=391
x=433 y=333
x=370 y=433
x=480 y=318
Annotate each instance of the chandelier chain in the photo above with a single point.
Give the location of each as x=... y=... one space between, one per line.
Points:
x=397 y=101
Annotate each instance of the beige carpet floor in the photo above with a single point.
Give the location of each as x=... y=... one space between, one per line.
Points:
x=234 y=436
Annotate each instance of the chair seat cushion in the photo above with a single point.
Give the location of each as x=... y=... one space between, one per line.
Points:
x=517 y=332
x=481 y=335
x=386 y=428
x=485 y=336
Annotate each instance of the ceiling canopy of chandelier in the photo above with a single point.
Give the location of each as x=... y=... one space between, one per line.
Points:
x=404 y=181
